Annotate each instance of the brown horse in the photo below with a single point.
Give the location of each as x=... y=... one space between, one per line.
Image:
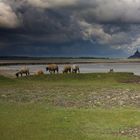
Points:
x=75 y=69
x=23 y=71
x=52 y=68
x=67 y=69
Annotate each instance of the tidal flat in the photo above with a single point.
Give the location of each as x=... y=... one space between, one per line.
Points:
x=10 y=67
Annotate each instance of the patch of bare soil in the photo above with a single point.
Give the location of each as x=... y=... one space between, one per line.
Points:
x=110 y=98
x=129 y=132
x=106 y=98
x=8 y=73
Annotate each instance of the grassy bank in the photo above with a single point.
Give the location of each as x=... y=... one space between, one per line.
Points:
x=70 y=107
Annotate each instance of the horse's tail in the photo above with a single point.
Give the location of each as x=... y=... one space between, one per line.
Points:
x=47 y=68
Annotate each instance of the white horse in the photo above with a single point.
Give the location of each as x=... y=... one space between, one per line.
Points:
x=75 y=69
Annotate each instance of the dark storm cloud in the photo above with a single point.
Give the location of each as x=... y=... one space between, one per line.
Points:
x=30 y=26
x=42 y=26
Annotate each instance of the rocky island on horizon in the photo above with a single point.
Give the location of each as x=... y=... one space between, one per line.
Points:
x=135 y=55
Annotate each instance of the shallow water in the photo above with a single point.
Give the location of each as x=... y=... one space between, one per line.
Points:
x=84 y=68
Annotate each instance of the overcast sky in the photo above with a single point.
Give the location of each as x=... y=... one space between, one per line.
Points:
x=103 y=28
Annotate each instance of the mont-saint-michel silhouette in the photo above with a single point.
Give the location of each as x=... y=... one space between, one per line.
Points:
x=135 y=55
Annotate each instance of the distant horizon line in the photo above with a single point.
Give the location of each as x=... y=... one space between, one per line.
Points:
x=72 y=57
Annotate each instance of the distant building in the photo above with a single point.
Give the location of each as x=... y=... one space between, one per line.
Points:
x=135 y=55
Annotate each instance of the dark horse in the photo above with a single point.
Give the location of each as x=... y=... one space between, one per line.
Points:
x=52 y=68
x=111 y=70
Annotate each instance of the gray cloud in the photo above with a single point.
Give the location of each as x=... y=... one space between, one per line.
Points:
x=105 y=11
x=51 y=3
x=127 y=11
x=8 y=17
x=115 y=37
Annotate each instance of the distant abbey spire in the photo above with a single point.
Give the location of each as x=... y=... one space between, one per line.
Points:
x=136 y=54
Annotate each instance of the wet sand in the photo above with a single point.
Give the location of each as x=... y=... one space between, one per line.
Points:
x=65 y=61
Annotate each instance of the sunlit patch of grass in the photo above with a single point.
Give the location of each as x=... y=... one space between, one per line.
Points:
x=40 y=121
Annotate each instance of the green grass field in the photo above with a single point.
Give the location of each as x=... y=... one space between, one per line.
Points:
x=98 y=106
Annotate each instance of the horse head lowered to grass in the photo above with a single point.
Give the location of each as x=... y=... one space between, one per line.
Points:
x=67 y=69
x=52 y=68
x=23 y=71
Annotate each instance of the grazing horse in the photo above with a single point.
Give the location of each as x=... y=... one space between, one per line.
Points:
x=23 y=71
x=75 y=69
x=52 y=68
x=67 y=69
